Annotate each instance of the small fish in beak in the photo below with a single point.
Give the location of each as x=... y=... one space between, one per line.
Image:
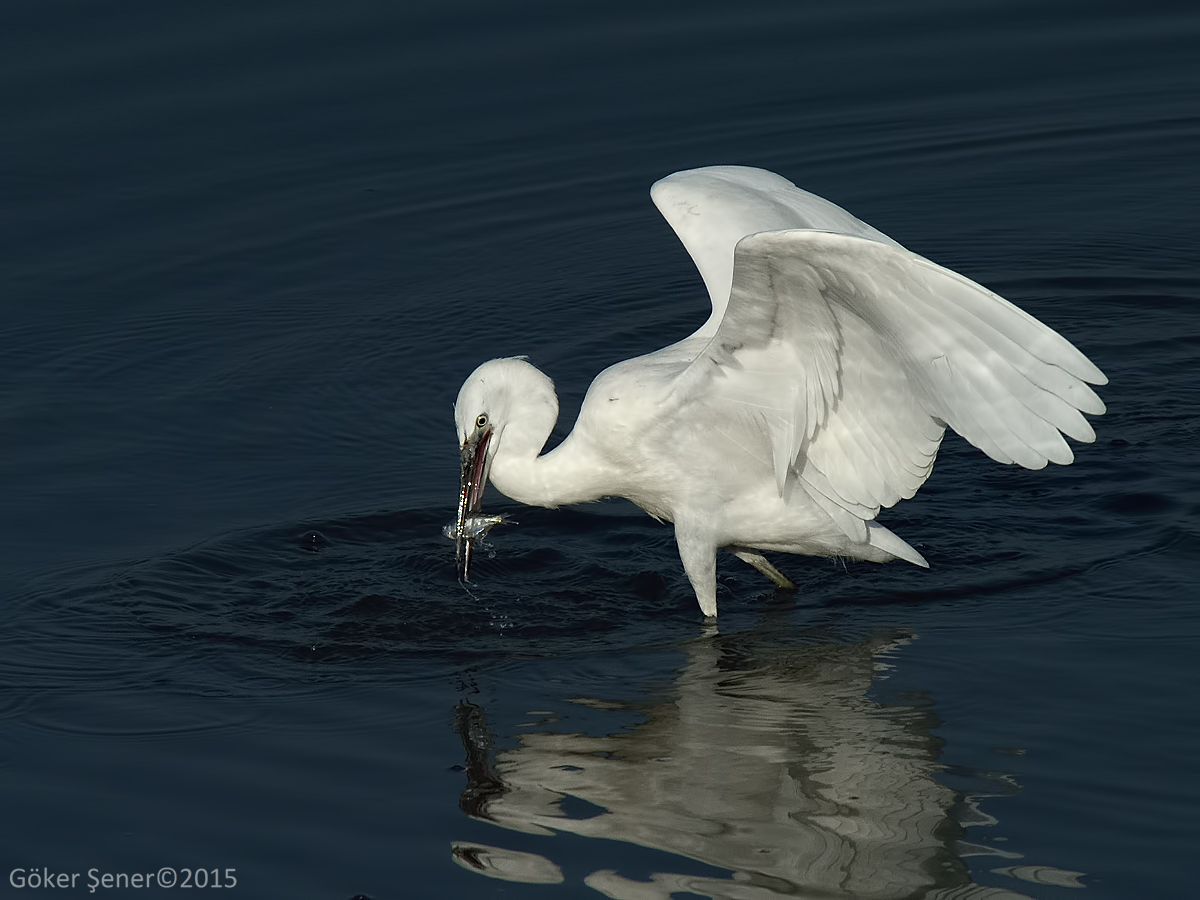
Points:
x=477 y=527
x=468 y=525
x=474 y=528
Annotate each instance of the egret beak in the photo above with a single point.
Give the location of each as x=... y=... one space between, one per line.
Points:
x=473 y=479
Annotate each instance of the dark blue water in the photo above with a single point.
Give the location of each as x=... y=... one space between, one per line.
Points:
x=249 y=252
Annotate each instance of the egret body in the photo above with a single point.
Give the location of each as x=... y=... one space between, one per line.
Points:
x=815 y=395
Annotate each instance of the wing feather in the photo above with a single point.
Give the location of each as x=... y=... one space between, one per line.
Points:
x=711 y=209
x=884 y=348
x=855 y=354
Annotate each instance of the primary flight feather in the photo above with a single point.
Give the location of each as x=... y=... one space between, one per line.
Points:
x=816 y=393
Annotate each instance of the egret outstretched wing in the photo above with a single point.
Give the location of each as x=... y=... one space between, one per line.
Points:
x=857 y=353
x=713 y=208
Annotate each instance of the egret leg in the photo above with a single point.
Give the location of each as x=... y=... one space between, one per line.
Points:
x=699 y=556
x=760 y=562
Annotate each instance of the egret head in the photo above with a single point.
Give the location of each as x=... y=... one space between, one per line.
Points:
x=499 y=394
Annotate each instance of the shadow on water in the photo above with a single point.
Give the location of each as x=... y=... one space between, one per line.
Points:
x=766 y=769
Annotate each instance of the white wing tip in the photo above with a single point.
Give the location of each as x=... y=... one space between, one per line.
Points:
x=1086 y=370
x=889 y=542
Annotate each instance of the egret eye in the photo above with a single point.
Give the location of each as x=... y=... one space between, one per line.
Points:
x=481 y=420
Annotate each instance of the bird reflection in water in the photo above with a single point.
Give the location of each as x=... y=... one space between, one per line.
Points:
x=769 y=762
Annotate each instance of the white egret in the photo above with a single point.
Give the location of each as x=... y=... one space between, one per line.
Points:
x=816 y=394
